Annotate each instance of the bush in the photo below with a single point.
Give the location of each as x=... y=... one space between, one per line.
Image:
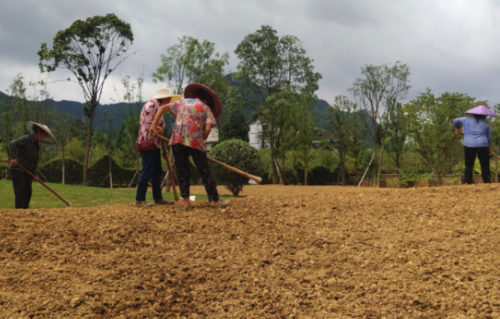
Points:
x=240 y=155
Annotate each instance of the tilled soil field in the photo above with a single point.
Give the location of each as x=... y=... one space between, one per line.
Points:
x=278 y=252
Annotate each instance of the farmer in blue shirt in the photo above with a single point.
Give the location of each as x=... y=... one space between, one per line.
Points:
x=477 y=141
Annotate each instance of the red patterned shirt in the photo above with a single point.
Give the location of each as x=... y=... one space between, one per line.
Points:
x=191 y=116
x=147 y=115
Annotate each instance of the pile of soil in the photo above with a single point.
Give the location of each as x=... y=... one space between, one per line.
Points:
x=279 y=252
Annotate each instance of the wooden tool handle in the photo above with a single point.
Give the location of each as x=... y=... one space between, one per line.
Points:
x=257 y=179
x=68 y=204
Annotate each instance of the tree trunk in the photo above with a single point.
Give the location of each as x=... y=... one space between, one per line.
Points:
x=87 y=147
x=379 y=173
x=283 y=158
x=305 y=176
x=342 y=167
x=438 y=176
x=273 y=157
x=110 y=178
x=63 y=167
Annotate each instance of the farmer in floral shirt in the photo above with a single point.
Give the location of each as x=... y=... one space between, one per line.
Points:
x=150 y=147
x=194 y=118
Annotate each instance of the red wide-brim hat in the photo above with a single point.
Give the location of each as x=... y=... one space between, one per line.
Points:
x=216 y=107
x=481 y=110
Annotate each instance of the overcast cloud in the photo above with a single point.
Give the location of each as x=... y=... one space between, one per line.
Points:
x=449 y=45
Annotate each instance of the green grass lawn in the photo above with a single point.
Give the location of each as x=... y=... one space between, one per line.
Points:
x=78 y=196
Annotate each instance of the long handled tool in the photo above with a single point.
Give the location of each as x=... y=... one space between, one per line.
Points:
x=68 y=204
x=257 y=179
x=171 y=173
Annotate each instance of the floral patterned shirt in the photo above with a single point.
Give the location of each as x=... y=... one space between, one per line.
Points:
x=147 y=116
x=191 y=116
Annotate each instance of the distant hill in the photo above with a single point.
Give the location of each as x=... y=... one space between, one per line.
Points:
x=115 y=111
x=319 y=108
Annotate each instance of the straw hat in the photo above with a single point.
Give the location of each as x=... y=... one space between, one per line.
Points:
x=164 y=93
x=49 y=139
x=481 y=110
x=215 y=106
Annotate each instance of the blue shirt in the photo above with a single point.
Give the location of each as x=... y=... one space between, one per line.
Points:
x=477 y=132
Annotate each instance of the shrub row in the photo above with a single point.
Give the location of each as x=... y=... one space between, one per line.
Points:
x=96 y=173
x=318 y=175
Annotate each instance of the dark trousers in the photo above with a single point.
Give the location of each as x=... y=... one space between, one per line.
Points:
x=181 y=157
x=151 y=169
x=483 y=154
x=22 y=188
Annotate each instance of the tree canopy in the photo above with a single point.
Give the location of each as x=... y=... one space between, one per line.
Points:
x=91 y=50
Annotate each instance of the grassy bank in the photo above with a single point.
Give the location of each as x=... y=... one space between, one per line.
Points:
x=78 y=196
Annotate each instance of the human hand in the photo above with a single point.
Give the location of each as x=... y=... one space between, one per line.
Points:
x=35 y=178
x=14 y=162
x=153 y=131
x=459 y=132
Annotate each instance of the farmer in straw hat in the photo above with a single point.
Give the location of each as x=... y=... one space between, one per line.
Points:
x=194 y=118
x=477 y=140
x=150 y=147
x=25 y=151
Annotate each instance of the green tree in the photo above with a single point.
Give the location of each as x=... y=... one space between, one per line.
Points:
x=269 y=65
x=397 y=131
x=191 y=61
x=236 y=128
x=430 y=126
x=348 y=130
x=377 y=92
x=239 y=154
x=61 y=128
x=131 y=101
x=91 y=50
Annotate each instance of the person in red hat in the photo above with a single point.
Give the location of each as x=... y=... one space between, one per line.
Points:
x=194 y=118
x=477 y=140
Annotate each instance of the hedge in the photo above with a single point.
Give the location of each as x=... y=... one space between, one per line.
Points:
x=52 y=170
x=98 y=172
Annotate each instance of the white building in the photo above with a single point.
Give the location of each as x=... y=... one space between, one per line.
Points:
x=213 y=137
x=255 y=136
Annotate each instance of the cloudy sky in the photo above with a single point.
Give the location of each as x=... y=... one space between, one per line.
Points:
x=449 y=45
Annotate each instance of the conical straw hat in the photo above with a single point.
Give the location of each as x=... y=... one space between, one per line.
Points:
x=481 y=110
x=50 y=139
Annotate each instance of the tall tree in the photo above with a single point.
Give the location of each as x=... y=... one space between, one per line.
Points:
x=62 y=127
x=377 y=92
x=131 y=101
x=347 y=127
x=191 y=61
x=269 y=65
x=91 y=50
x=236 y=128
x=397 y=131
x=430 y=125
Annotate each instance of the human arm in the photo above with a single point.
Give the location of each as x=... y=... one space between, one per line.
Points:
x=206 y=132
x=209 y=122
x=458 y=123
x=154 y=129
